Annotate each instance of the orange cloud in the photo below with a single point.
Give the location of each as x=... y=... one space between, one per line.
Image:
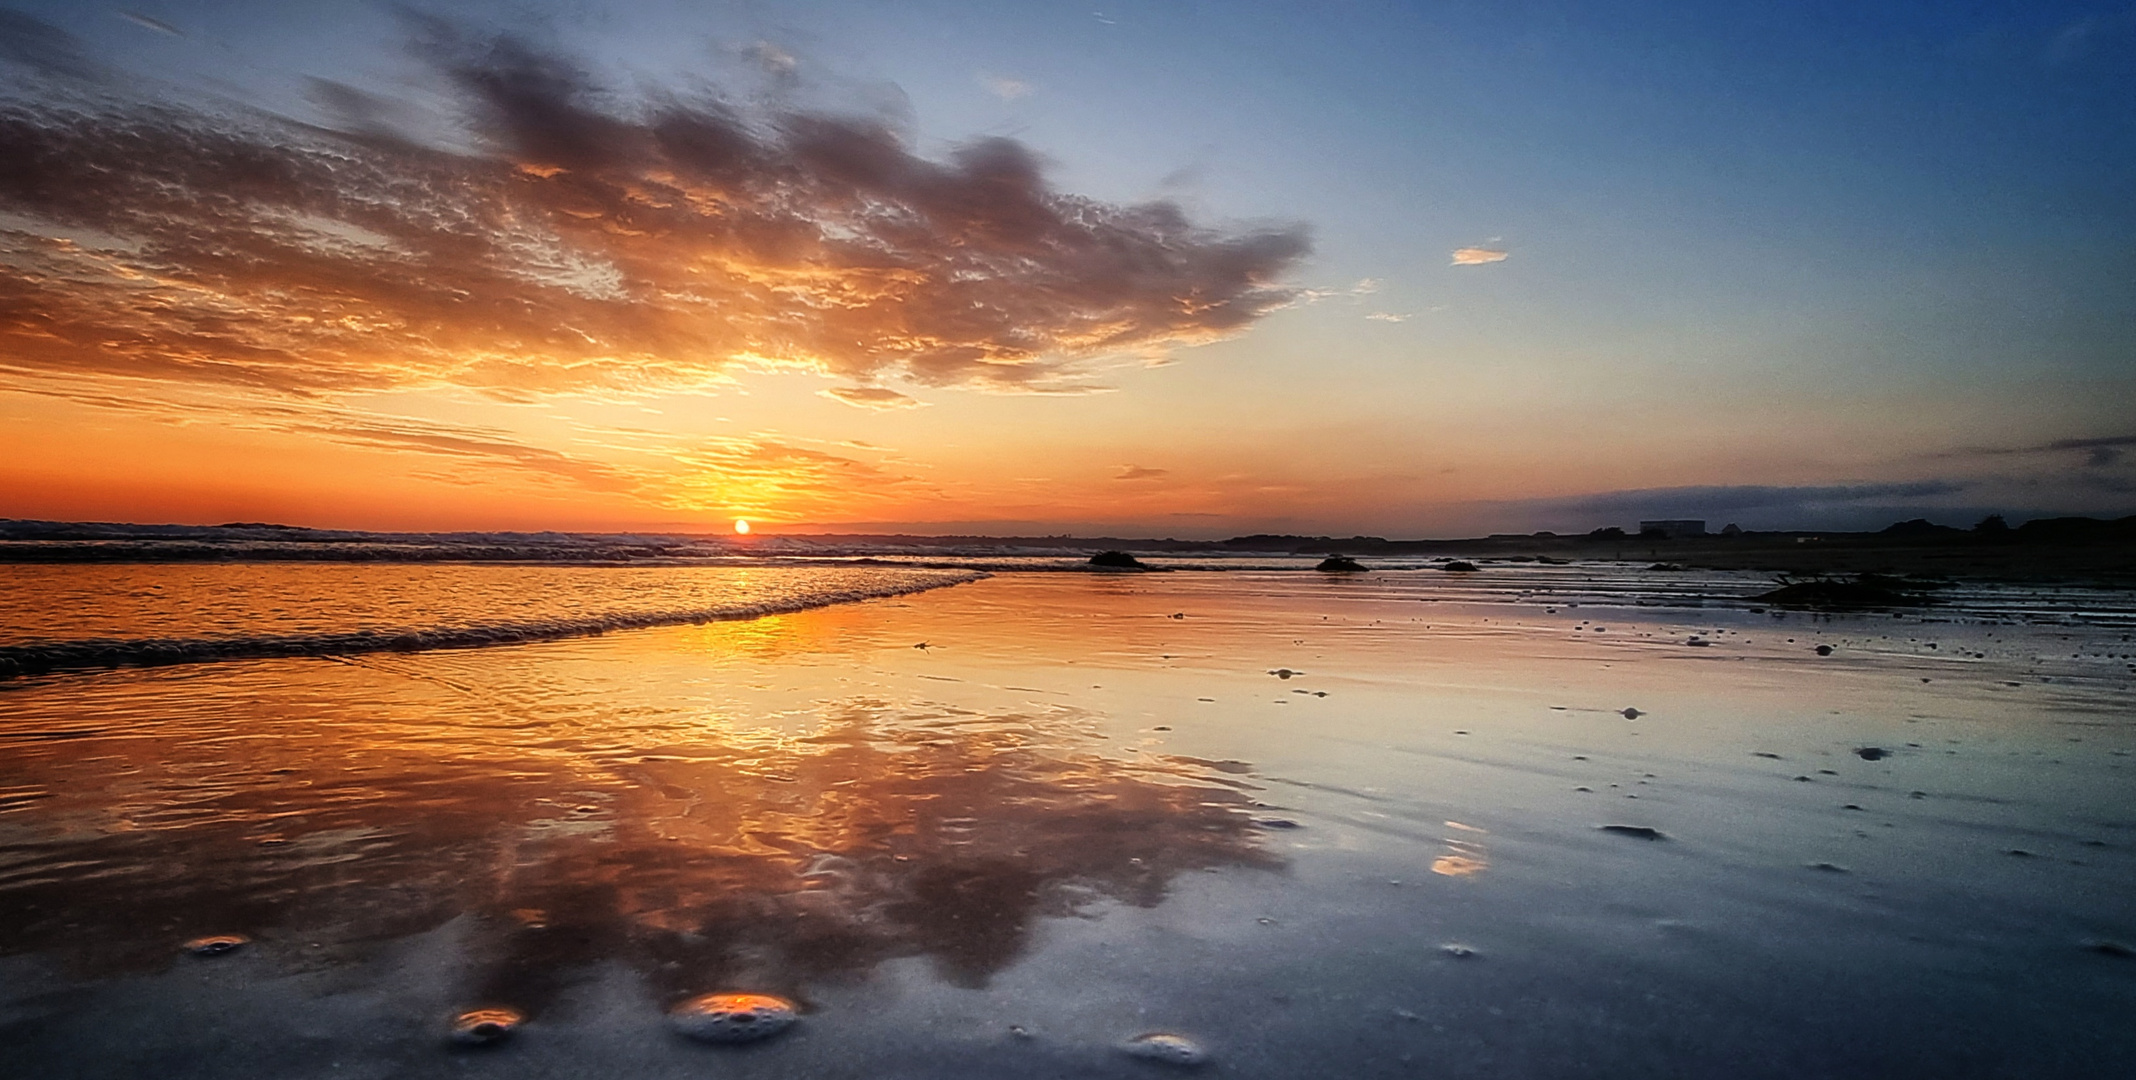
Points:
x=871 y=397
x=585 y=249
x=759 y=475
x=1476 y=256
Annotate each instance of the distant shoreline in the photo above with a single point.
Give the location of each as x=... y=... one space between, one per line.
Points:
x=2083 y=551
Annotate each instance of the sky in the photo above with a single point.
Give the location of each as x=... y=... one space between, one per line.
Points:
x=1165 y=269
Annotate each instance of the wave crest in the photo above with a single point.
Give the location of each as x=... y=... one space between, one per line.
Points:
x=39 y=658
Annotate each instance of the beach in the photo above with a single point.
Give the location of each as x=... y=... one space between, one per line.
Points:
x=1538 y=820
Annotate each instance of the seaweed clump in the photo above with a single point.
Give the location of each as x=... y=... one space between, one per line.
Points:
x=1340 y=564
x=1865 y=591
x=1117 y=560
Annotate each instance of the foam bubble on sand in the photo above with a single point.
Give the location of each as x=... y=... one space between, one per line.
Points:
x=216 y=944
x=732 y=1018
x=1165 y=1048
x=485 y=1027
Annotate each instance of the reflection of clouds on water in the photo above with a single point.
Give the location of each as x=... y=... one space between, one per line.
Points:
x=702 y=860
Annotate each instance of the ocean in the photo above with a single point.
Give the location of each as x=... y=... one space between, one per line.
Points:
x=982 y=814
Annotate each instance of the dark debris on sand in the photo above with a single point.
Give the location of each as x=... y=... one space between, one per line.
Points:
x=1340 y=564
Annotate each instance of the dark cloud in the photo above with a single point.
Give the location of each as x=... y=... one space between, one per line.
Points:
x=46 y=49
x=592 y=244
x=1754 y=506
x=1737 y=497
x=2100 y=453
x=355 y=111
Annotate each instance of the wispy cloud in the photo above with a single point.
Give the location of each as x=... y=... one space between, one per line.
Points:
x=1354 y=293
x=1478 y=256
x=871 y=397
x=595 y=245
x=1004 y=87
x=1137 y=472
x=1389 y=316
x=758 y=472
x=146 y=23
x=2099 y=452
x=774 y=61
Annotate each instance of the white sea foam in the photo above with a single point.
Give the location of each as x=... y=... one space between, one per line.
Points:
x=786 y=592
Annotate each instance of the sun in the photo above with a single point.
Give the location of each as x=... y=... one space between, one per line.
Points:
x=741 y=525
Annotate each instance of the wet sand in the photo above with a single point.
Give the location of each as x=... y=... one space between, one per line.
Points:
x=1090 y=807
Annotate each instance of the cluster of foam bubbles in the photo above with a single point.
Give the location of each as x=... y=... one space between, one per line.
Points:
x=732 y=1018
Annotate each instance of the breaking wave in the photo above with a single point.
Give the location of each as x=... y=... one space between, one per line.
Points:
x=43 y=657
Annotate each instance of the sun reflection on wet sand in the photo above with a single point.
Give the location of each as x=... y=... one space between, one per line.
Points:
x=1465 y=856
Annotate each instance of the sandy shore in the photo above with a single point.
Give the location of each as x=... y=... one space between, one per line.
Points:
x=1324 y=825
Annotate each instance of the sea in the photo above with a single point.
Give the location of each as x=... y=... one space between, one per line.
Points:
x=978 y=813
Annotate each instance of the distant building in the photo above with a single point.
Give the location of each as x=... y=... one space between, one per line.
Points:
x=1672 y=528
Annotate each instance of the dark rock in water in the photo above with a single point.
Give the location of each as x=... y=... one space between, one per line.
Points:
x=1865 y=591
x=1285 y=673
x=1117 y=560
x=2115 y=949
x=485 y=1027
x=1459 y=566
x=732 y=1018
x=1640 y=831
x=1824 y=650
x=1277 y=823
x=1166 y=1048
x=1829 y=868
x=216 y=944
x=1631 y=714
x=1871 y=753
x=1340 y=564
